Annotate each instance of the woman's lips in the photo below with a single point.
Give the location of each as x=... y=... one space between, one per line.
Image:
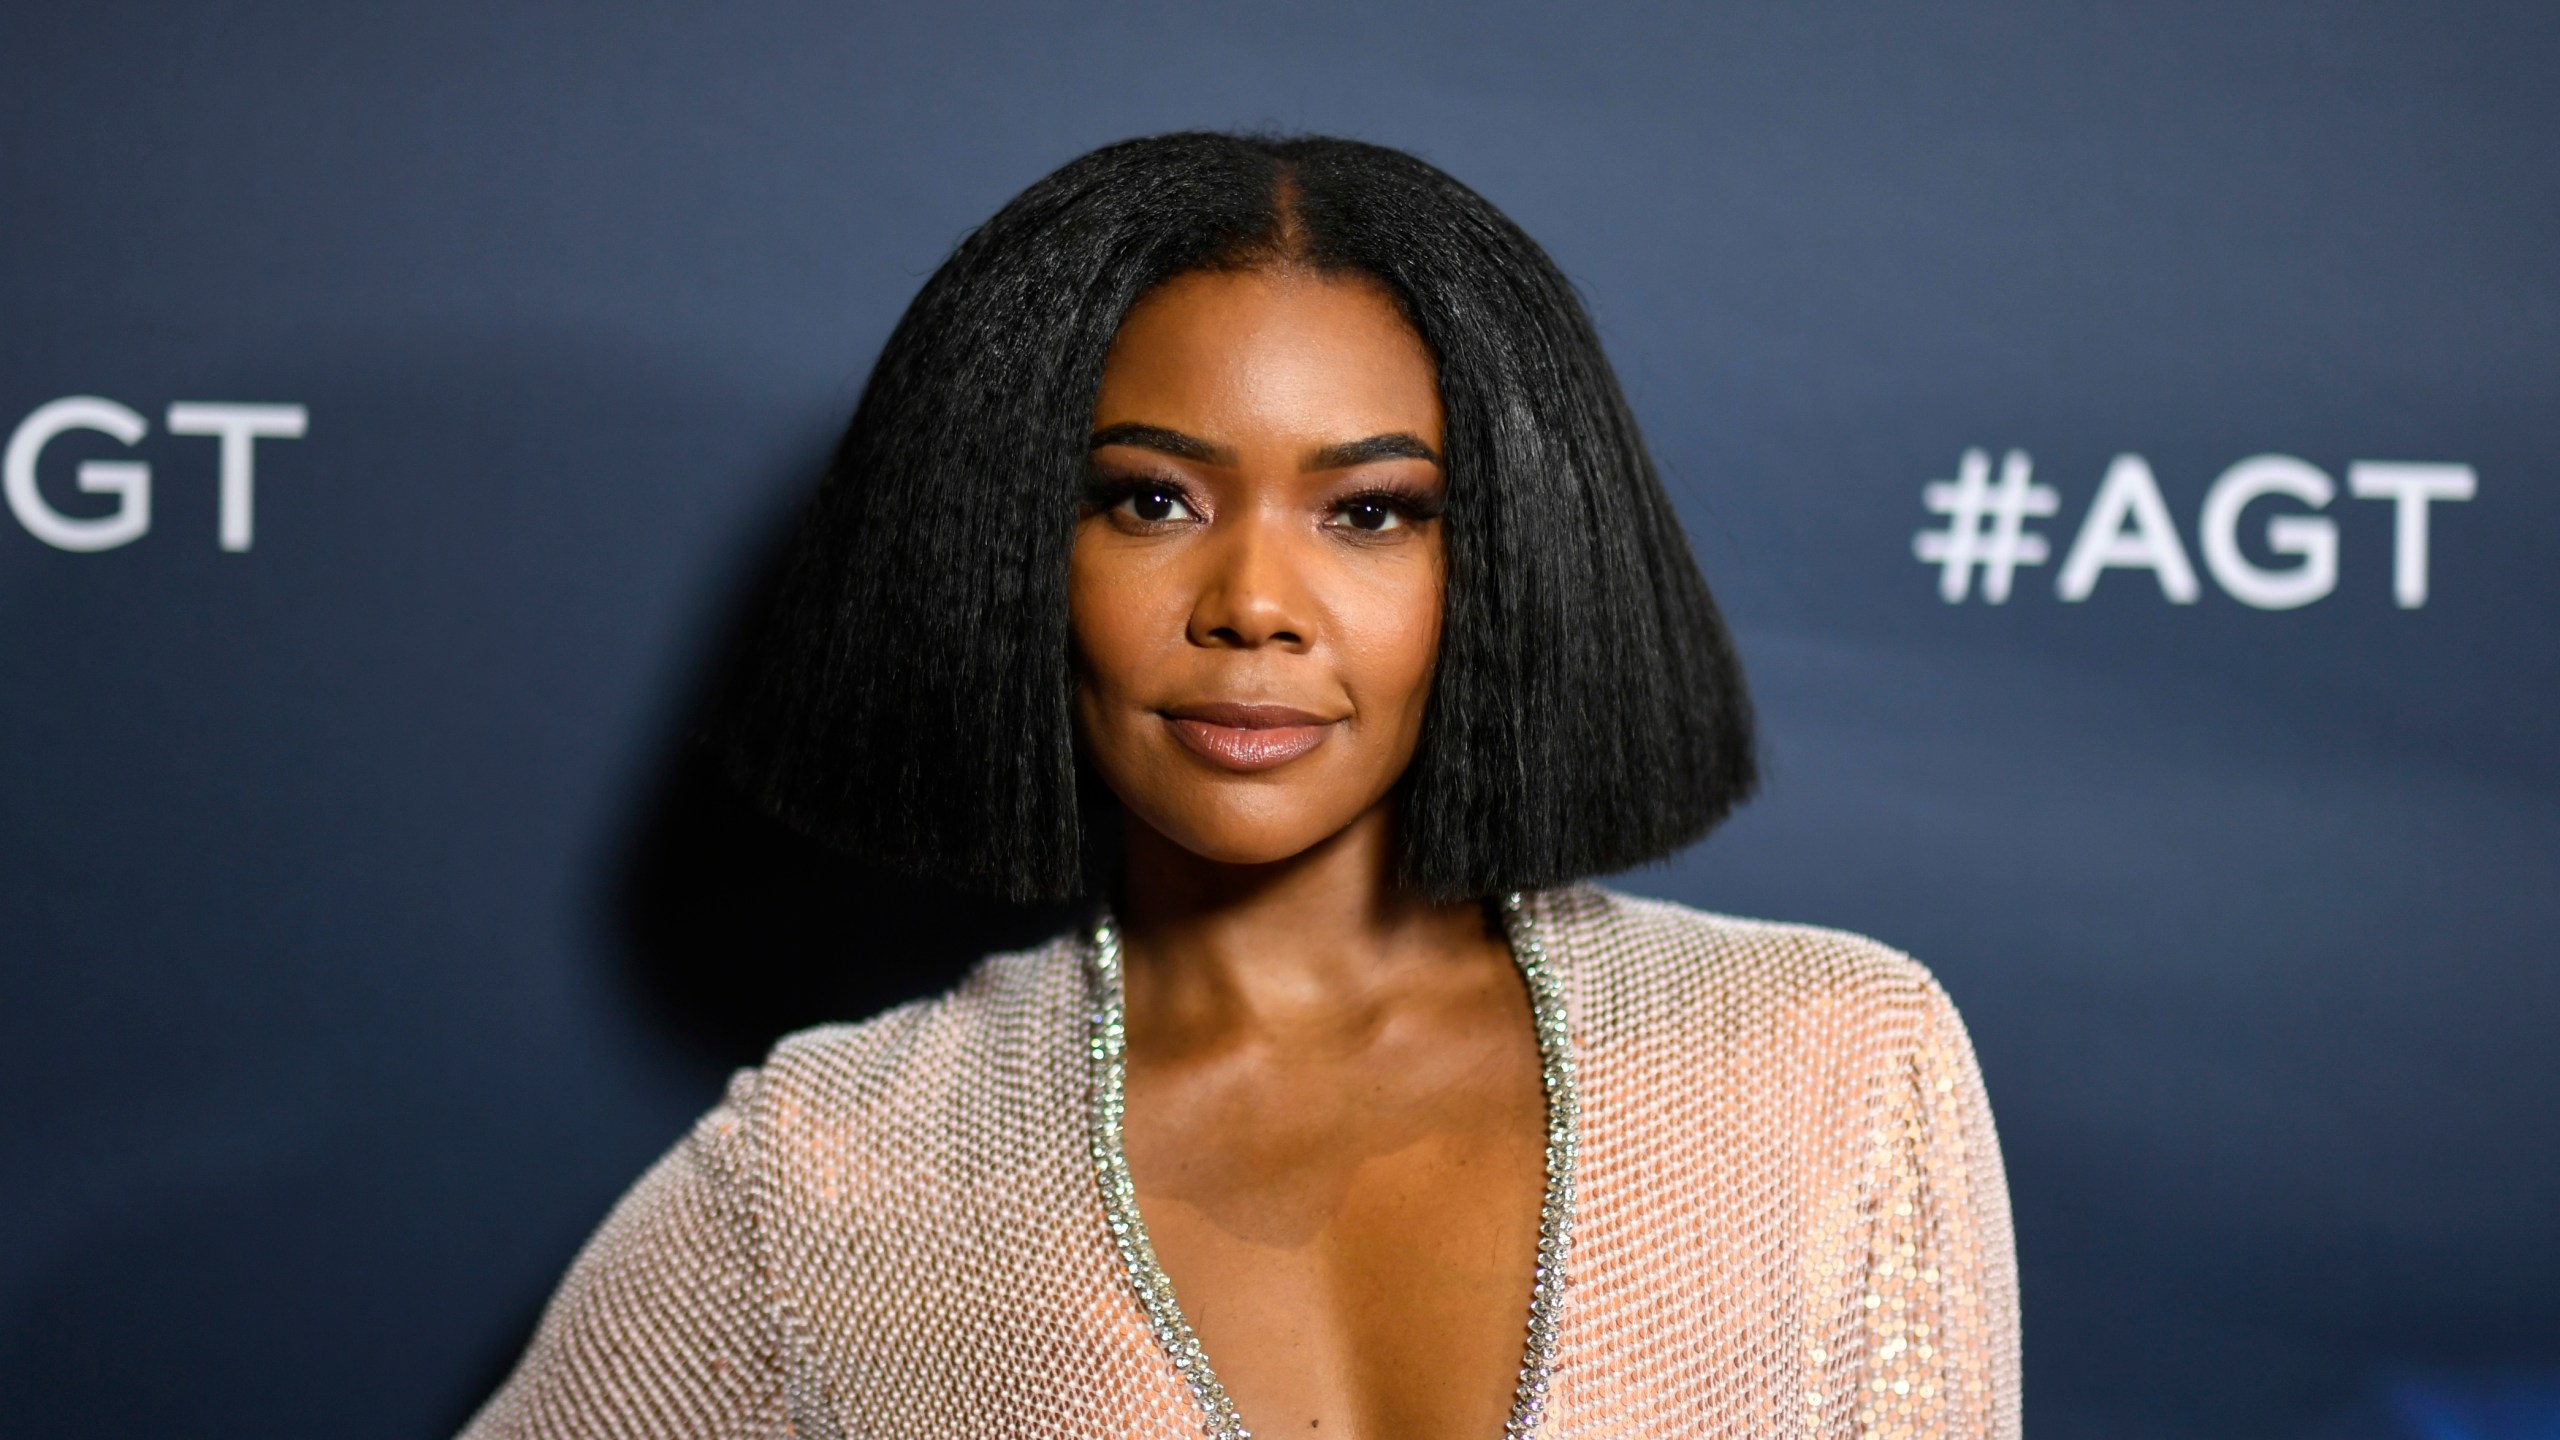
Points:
x=1247 y=737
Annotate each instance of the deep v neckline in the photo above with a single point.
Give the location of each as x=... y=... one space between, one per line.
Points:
x=1107 y=1046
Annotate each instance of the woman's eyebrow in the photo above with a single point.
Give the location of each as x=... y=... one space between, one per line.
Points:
x=1163 y=441
x=1399 y=446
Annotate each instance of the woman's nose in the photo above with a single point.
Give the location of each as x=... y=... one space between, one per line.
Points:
x=1252 y=591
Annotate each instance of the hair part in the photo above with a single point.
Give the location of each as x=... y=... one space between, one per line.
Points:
x=910 y=696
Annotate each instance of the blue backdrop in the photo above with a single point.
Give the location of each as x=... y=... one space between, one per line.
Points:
x=365 y=926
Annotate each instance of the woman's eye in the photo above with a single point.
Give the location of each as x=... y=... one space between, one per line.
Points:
x=1369 y=515
x=1155 y=504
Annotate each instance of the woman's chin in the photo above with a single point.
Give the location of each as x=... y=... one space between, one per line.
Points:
x=1247 y=851
x=1250 y=842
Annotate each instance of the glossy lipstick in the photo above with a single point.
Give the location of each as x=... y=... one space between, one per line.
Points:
x=1247 y=738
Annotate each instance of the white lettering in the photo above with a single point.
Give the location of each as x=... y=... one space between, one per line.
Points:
x=2313 y=537
x=2411 y=488
x=1986 y=525
x=128 y=480
x=240 y=428
x=2128 y=493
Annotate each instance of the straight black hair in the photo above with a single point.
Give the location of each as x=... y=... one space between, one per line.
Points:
x=909 y=697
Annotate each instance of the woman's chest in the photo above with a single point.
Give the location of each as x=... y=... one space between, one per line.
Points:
x=1352 y=1269
x=1710 y=1271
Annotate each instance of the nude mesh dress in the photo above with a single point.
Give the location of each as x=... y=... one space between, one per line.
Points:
x=1790 y=1218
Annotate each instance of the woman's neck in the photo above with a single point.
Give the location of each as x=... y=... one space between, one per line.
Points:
x=1325 y=934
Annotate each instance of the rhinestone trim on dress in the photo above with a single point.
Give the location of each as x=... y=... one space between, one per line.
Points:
x=1109 y=1049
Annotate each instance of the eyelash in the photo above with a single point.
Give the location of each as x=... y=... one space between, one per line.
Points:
x=1411 y=506
x=1105 y=493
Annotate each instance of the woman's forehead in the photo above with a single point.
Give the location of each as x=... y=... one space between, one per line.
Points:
x=1233 y=355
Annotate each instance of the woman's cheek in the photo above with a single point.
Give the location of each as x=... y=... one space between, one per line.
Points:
x=1395 y=644
x=1109 y=621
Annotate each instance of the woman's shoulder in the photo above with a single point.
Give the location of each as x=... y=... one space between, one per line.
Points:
x=1644 y=961
x=899 y=1067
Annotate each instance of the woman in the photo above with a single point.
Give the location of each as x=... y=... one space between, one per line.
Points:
x=1250 y=535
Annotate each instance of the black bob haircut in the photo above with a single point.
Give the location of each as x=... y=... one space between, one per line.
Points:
x=909 y=698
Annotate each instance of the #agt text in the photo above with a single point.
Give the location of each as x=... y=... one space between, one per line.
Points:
x=2128 y=527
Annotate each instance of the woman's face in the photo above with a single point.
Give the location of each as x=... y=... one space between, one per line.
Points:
x=1255 y=587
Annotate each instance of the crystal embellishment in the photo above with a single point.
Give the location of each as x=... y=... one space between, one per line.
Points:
x=1109 y=1052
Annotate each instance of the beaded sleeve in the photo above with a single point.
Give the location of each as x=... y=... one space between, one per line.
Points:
x=662 y=1327
x=1939 y=1348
